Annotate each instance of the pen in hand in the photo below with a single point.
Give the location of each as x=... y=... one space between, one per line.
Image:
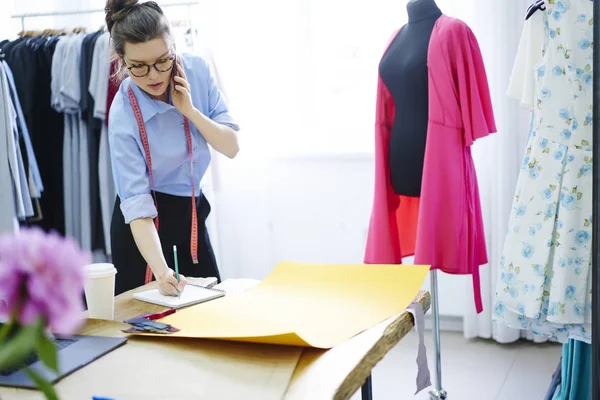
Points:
x=176 y=268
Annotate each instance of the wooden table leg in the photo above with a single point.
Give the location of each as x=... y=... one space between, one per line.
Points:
x=367 y=390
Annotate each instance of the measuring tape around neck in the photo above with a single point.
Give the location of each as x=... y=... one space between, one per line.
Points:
x=144 y=137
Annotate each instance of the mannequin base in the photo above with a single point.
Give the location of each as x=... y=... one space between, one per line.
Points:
x=438 y=394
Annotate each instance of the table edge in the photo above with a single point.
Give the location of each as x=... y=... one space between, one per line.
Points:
x=392 y=335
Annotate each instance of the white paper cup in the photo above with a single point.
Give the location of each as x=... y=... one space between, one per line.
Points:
x=100 y=290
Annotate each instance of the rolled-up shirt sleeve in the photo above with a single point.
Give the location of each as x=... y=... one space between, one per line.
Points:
x=131 y=177
x=218 y=110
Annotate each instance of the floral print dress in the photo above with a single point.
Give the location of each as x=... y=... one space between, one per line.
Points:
x=544 y=281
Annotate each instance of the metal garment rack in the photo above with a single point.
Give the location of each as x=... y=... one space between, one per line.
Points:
x=438 y=393
x=98 y=10
x=596 y=213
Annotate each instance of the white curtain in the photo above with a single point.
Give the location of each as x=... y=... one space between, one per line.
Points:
x=498 y=158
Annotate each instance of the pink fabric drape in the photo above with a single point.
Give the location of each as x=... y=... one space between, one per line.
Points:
x=446 y=221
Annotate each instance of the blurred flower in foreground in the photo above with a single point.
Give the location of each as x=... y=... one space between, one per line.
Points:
x=41 y=285
x=41 y=275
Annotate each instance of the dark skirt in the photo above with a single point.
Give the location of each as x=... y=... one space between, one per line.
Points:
x=175 y=217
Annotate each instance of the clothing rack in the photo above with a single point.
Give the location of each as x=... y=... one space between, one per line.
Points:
x=596 y=214
x=94 y=11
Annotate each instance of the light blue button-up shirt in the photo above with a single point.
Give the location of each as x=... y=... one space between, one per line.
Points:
x=167 y=140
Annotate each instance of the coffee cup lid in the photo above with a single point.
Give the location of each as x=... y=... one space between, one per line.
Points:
x=100 y=270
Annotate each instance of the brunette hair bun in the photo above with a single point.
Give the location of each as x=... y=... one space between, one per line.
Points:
x=135 y=22
x=117 y=10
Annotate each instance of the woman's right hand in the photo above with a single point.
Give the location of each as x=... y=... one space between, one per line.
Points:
x=148 y=242
x=168 y=285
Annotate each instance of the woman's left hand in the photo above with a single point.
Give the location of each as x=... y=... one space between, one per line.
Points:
x=181 y=92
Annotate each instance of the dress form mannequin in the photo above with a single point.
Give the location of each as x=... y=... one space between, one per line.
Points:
x=404 y=70
x=430 y=208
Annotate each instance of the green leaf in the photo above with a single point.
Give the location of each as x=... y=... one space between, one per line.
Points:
x=546 y=150
x=585 y=143
x=579 y=175
x=579 y=196
x=588 y=68
x=574 y=190
x=518 y=270
x=552 y=187
x=586 y=223
x=4 y=331
x=47 y=352
x=42 y=384
x=24 y=342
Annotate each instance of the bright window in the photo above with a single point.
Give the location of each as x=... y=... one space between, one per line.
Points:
x=302 y=74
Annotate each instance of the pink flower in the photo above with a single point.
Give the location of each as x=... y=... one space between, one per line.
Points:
x=41 y=275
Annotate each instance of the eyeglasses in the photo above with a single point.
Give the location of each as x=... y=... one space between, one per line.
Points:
x=162 y=65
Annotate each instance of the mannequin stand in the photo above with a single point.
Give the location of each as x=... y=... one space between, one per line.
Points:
x=438 y=393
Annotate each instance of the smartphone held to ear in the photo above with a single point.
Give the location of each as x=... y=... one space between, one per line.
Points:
x=174 y=71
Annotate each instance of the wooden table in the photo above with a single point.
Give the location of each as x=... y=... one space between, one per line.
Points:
x=319 y=374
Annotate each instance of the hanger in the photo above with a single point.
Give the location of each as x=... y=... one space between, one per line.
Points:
x=538 y=5
x=30 y=34
x=48 y=32
x=37 y=216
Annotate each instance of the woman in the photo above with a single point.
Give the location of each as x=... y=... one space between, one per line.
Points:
x=163 y=119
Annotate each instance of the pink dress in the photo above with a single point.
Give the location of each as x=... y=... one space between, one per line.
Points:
x=444 y=227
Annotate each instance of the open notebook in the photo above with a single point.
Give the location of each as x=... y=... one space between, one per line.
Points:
x=192 y=294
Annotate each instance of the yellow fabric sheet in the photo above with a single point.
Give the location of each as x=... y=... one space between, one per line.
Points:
x=311 y=305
